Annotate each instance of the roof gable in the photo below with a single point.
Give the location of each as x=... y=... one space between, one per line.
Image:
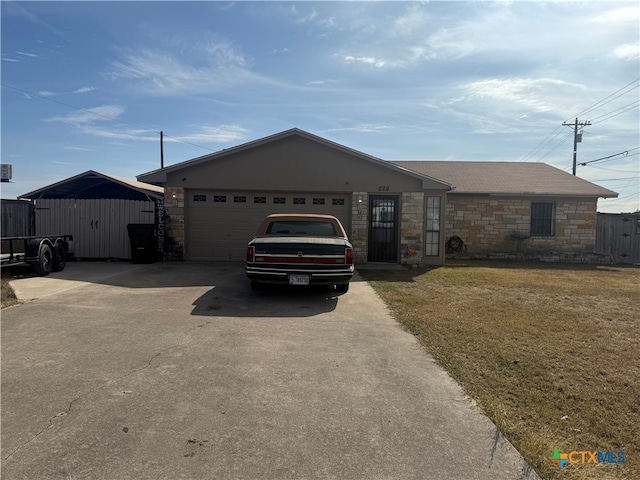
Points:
x=159 y=176
x=507 y=178
x=94 y=185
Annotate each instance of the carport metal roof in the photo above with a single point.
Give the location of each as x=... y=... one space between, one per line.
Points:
x=95 y=185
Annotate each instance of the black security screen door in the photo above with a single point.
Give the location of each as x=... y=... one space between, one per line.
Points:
x=383 y=228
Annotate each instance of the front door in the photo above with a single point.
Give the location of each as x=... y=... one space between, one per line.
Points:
x=383 y=228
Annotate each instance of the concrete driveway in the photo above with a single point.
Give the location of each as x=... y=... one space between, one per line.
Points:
x=179 y=370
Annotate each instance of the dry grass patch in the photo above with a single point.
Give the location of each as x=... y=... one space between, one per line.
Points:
x=8 y=295
x=550 y=352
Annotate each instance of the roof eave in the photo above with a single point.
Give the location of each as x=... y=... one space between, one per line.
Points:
x=36 y=193
x=538 y=194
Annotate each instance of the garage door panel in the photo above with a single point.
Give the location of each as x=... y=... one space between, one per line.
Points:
x=219 y=224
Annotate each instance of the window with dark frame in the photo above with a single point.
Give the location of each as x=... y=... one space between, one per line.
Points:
x=432 y=230
x=199 y=198
x=279 y=200
x=299 y=201
x=259 y=199
x=318 y=201
x=220 y=198
x=239 y=199
x=337 y=201
x=543 y=219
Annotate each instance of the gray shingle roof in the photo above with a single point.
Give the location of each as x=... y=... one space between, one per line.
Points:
x=507 y=178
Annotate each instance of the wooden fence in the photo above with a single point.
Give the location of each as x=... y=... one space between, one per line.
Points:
x=618 y=235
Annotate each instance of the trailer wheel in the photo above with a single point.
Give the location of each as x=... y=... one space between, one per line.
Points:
x=59 y=258
x=45 y=260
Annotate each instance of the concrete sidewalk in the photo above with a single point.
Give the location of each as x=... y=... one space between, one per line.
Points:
x=179 y=370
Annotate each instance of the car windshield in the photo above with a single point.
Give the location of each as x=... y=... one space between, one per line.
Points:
x=301 y=227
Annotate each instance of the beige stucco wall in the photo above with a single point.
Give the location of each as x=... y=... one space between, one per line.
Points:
x=295 y=164
x=502 y=225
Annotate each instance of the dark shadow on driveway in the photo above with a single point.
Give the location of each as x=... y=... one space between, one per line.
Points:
x=238 y=300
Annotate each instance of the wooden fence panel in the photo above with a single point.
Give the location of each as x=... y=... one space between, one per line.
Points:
x=618 y=235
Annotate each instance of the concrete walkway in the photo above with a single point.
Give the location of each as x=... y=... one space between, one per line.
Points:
x=179 y=370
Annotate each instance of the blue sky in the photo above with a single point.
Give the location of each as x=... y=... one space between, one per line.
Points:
x=89 y=85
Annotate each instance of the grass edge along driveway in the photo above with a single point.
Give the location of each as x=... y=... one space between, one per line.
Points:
x=548 y=351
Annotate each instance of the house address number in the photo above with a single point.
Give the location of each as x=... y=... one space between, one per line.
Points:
x=383 y=188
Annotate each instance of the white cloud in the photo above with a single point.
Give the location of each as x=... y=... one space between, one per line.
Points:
x=280 y=50
x=376 y=62
x=531 y=93
x=213 y=134
x=48 y=93
x=160 y=73
x=84 y=90
x=628 y=51
x=7 y=59
x=361 y=128
x=411 y=22
x=612 y=18
x=90 y=115
x=25 y=54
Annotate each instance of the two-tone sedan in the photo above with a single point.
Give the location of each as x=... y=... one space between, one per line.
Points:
x=293 y=249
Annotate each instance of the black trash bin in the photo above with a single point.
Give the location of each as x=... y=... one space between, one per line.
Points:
x=144 y=243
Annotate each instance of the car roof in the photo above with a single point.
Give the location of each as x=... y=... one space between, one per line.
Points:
x=305 y=216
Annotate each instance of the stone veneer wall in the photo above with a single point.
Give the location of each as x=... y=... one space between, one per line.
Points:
x=174 y=223
x=360 y=226
x=412 y=228
x=490 y=226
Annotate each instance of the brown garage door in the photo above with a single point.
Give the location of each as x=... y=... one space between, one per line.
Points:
x=219 y=224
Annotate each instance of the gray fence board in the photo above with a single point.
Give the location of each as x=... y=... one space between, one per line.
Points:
x=618 y=235
x=17 y=218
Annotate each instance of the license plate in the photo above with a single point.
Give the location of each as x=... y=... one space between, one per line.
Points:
x=298 y=279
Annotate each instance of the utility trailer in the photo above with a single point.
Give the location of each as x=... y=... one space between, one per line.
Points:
x=45 y=254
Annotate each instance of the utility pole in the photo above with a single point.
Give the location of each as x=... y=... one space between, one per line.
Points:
x=577 y=138
x=162 y=152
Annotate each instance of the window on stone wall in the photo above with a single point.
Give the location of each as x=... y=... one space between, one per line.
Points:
x=543 y=219
x=432 y=230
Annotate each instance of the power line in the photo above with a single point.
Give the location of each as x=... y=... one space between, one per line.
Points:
x=625 y=153
x=600 y=103
x=630 y=106
x=615 y=179
x=91 y=112
x=549 y=138
x=617 y=94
